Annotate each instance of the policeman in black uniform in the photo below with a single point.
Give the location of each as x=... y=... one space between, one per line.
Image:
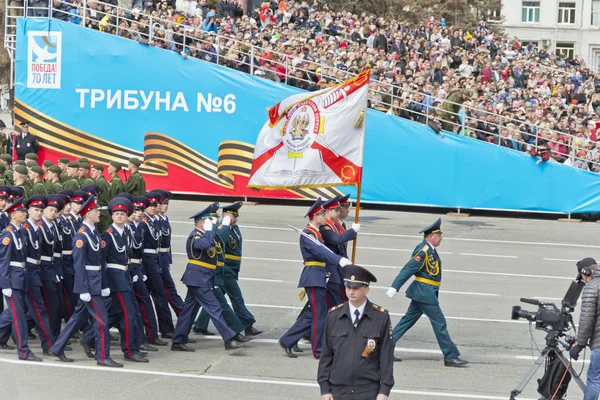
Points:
x=26 y=142
x=357 y=358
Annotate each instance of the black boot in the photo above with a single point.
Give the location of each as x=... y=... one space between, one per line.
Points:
x=86 y=348
x=241 y=338
x=232 y=344
x=136 y=357
x=252 y=331
x=109 y=362
x=158 y=342
x=61 y=357
x=181 y=347
x=297 y=349
x=147 y=347
x=288 y=351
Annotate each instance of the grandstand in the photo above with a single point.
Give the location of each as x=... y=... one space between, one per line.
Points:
x=473 y=83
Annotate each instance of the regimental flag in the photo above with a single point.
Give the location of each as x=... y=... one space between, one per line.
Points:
x=313 y=139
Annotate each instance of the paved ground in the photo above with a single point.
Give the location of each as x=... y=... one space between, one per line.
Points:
x=488 y=264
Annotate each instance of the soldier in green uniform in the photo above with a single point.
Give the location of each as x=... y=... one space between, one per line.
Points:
x=31 y=157
x=47 y=184
x=35 y=177
x=115 y=185
x=97 y=174
x=135 y=184
x=20 y=176
x=71 y=182
x=84 y=174
x=426 y=266
x=53 y=179
x=3 y=180
x=63 y=163
x=6 y=159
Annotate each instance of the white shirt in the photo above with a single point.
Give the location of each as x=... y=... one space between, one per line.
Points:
x=48 y=224
x=35 y=225
x=361 y=310
x=119 y=230
x=92 y=227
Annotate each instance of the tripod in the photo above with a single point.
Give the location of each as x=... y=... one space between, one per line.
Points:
x=551 y=349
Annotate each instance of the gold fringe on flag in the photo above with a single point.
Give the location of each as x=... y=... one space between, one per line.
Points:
x=360 y=118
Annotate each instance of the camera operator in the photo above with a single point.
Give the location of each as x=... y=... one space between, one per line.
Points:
x=589 y=326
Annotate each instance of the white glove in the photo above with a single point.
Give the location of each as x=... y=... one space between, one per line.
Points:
x=344 y=261
x=85 y=297
x=144 y=278
x=214 y=220
x=135 y=278
x=355 y=227
x=391 y=292
x=106 y=292
x=208 y=225
x=227 y=220
x=57 y=279
x=7 y=292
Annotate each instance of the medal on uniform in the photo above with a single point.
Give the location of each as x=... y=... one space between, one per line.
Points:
x=370 y=348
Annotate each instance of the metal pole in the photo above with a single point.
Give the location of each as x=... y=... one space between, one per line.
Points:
x=84 y=12
x=286 y=70
x=117 y=23
x=151 y=29
x=184 y=39
x=252 y=60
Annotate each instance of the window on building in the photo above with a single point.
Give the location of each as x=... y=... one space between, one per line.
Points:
x=566 y=50
x=566 y=13
x=596 y=13
x=531 y=11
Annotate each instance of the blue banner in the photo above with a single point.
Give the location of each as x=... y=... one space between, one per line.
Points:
x=195 y=123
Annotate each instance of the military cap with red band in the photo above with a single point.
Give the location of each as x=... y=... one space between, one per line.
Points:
x=153 y=197
x=140 y=202
x=120 y=204
x=331 y=203
x=345 y=201
x=5 y=191
x=88 y=205
x=56 y=200
x=79 y=197
x=37 y=200
x=315 y=209
x=17 y=205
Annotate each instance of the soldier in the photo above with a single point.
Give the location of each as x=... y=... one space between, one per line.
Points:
x=333 y=239
x=45 y=165
x=91 y=284
x=84 y=174
x=164 y=254
x=344 y=210
x=7 y=160
x=71 y=182
x=146 y=309
x=97 y=174
x=3 y=179
x=313 y=280
x=201 y=249
x=233 y=261
x=31 y=157
x=5 y=193
x=26 y=142
x=35 y=177
x=53 y=185
x=357 y=358
x=426 y=265
x=20 y=176
x=135 y=185
x=151 y=265
x=115 y=258
x=115 y=185
x=62 y=164
x=13 y=282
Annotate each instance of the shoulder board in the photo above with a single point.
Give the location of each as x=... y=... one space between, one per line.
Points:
x=336 y=307
x=109 y=230
x=9 y=228
x=40 y=223
x=144 y=220
x=26 y=226
x=425 y=248
x=81 y=230
x=379 y=308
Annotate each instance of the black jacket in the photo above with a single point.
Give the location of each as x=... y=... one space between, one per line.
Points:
x=26 y=145
x=589 y=321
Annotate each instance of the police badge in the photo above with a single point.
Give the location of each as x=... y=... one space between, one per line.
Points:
x=370 y=348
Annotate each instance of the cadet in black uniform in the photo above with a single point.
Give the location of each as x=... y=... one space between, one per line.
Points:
x=357 y=360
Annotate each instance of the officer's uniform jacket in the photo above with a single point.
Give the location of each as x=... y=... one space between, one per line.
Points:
x=222 y=232
x=316 y=258
x=115 y=258
x=426 y=266
x=334 y=240
x=341 y=228
x=69 y=226
x=136 y=250
x=151 y=240
x=165 y=242
x=33 y=252
x=4 y=221
x=201 y=248
x=344 y=363
x=58 y=249
x=47 y=243
x=12 y=258
x=90 y=277
x=233 y=253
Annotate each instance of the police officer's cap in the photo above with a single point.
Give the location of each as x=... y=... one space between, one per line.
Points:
x=233 y=209
x=55 y=169
x=6 y=157
x=153 y=197
x=315 y=209
x=92 y=190
x=135 y=161
x=47 y=163
x=345 y=200
x=21 y=169
x=140 y=202
x=56 y=200
x=17 y=205
x=117 y=165
x=98 y=167
x=5 y=192
x=68 y=193
x=73 y=164
x=357 y=276
x=17 y=191
x=63 y=160
x=332 y=203
x=210 y=211
x=37 y=200
x=37 y=169
x=24 y=124
x=165 y=196
x=88 y=205
x=128 y=196
x=433 y=228
x=80 y=197
x=120 y=204
x=31 y=156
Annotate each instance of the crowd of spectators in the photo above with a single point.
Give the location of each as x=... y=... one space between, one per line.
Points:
x=477 y=82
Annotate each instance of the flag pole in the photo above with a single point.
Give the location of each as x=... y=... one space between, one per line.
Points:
x=356 y=215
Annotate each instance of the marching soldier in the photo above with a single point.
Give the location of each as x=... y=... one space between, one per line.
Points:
x=13 y=282
x=71 y=182
x=3 y=180
x=135 y=185
x=5 y=194
x=7 y=160
x=313 y=280
x=344 y=210
x=426 y=266
x=53 y=185
x=357 y=358
x=84 y=174
x=233 y=261
x=91 y=284
x=20 y=179
x=115 y=258
x=62 y=164
x=97 y=173
x=333 y=239
x=199 y=274
x=115 y=186
x=35 y=177
x=58 y=202
x=45 y=165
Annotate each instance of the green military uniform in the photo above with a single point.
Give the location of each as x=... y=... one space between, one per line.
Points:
x=426 y=266
x=54 y=187
x=9 y=177
x=71 y=184
x=37 y=186
x=103 y=199
x=3 y=180
x=135 y=185
x=115 y=187
x=22 y=170
x=64 y=176
x=85 y=180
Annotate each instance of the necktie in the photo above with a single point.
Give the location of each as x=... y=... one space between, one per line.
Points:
x=356 y=318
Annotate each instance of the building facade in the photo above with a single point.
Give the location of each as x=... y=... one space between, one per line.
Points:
x=566 y=27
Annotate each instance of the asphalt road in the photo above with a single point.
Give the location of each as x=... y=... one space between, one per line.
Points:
x=488 y=264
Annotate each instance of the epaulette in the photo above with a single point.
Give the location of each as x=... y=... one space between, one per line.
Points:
x=109 y=230
x=81 y=230
x=26 y=226
x=336 y=307
x=144 y=219
x=379 y=308
x=9 y=228
x=40 y=223
x=425 y=248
